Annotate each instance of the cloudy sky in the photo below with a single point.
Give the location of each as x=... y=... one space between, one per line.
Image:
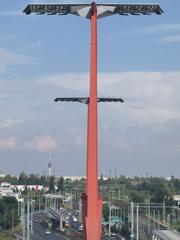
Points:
x=43 y=57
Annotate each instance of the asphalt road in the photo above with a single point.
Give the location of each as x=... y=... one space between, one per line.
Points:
x=39 y=232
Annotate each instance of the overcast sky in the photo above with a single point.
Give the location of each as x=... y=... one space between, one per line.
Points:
x=43 y=57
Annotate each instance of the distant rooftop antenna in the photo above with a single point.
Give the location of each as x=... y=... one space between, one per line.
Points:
x=50 y=166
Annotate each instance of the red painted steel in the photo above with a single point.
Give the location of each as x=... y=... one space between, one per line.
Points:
x=92 y=202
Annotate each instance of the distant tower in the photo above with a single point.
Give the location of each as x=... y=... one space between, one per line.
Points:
x=49 y=166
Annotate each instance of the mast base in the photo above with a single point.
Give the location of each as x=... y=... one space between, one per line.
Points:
x=92 y=221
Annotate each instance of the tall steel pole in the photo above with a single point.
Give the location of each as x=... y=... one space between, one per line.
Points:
x=94 y=202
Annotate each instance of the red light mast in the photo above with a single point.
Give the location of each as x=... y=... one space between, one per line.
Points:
x=92 y=202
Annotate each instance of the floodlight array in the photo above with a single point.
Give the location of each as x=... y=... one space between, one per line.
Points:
x=103 y=10
x=50 y=9
x=72 y=99
x=136 y=9
x=110 y=100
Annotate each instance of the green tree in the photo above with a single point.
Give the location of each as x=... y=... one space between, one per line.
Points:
x=44 y=181
x=33 y=179
x=23 y=178
x=106 y=212
x=8 y=209
x=10 y=179
x=52 y=184
x=61 y=184
x=161 y=189
x=137 y=196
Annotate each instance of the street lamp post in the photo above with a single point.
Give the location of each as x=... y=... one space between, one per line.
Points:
x=149 y=219
x=164 y=210
x=109 y=232
x=132 y=220
x=154 y=216
x=158 y=219
x=92 y=202
x=137 y=221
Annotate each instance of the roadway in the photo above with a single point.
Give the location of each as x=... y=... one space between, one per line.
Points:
x=39 y=230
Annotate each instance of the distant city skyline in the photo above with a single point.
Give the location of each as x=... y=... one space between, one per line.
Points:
x=42 y=58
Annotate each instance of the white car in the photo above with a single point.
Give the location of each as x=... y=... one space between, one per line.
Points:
x=74 y=219
x=47 y=232
x=81 y=228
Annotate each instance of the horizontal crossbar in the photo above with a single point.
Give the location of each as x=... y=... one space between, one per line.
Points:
x=86 y=100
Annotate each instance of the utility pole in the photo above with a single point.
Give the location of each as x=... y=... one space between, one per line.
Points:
x=28 y=216
x=4 y=218
x=168 y=221
x=45 y=204
x=80 y=211
x=39 y=202
x=158 y=219
x=32 y=213
x=110 y=174
x=137 y=221
x=154 y=216
x=13 y=220
x=173 y=215
x=115 y=173
x=23 y=220
x=123 y=191
x=164 y=211
x=132 y=220
x=123 y=213
x=61 y=220
x=119 y=194
x=149 y=219
x=109 y=219
x=19 y=207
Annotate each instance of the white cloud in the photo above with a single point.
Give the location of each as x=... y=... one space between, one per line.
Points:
x=76 y=135
x=6 y=123
x=73 y=81
x=170 y=32
x=8 y=57
x=120 y=143
x=42 y=143
x=171 y=39
x=6 y=37
x=9 y=143
x=160 y=28
x=3 y=67
x=149 y=96
x=79 y=140
x=10 y=13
